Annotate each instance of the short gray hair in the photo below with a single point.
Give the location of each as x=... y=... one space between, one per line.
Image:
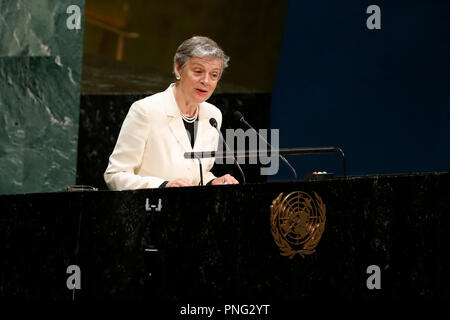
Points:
x=199 y=47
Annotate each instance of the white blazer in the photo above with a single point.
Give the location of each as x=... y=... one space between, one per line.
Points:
x=152 y=142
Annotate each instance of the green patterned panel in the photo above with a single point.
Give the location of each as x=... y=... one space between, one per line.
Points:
x=40 y=72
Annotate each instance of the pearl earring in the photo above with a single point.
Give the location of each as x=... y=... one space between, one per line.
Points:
x=177 y=76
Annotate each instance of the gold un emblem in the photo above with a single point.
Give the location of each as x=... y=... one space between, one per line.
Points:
x=297 y=222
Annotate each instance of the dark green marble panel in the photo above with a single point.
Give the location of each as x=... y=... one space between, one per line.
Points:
x=40 y=72
x=38 y=28
x=12 y=124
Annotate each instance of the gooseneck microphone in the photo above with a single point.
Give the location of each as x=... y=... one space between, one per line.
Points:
x=238 y=116
x=213 y=123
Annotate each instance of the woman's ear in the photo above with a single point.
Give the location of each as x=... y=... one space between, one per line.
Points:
x=176 y=69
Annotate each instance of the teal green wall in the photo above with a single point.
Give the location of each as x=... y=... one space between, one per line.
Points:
x=40 y=72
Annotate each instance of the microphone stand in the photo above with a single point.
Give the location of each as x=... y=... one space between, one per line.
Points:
x=201 y=170
x=213 y=123
x=247 y=154
x=261 y=137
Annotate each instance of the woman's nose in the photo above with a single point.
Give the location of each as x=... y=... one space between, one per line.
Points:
x=205 y=79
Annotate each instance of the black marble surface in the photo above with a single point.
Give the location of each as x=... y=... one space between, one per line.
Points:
x=215 y=242
x=101 y=118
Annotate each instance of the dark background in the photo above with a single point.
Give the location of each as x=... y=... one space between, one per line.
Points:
x=381 y=95
x=250 y=32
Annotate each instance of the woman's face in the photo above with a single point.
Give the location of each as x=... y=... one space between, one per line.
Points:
x=199 y=78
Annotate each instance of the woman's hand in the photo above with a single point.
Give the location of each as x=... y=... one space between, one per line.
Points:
x=180 y=182
x=226 y=179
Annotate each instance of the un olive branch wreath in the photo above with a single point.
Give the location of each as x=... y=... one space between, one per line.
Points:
x=312 y=241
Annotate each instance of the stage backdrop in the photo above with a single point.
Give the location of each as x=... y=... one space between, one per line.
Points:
x=40 y=71
x=382 y=95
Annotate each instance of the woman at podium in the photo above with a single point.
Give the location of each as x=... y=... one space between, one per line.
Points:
x=159 y=129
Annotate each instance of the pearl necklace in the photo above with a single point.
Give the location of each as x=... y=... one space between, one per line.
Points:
x=190 y=119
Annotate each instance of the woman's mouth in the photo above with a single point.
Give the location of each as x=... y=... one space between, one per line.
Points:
x=201 y=91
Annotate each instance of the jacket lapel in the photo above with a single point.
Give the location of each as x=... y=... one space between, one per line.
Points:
x=179 y=131
x=176 y=122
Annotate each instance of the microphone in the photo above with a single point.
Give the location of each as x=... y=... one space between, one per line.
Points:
x=238 y=116
x=213 y=123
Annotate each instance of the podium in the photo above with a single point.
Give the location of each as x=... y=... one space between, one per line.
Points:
x=214 y=243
